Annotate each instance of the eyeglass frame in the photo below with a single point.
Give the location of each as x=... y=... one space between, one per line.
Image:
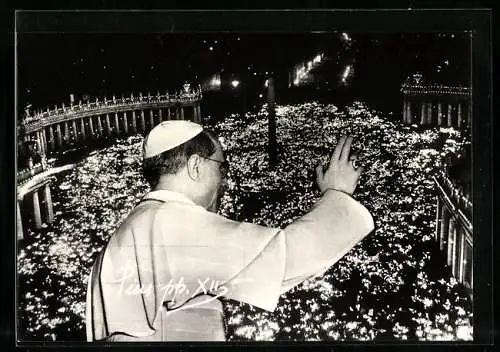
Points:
x=223 y=167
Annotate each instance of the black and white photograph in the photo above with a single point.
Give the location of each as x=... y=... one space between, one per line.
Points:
x=244 y=186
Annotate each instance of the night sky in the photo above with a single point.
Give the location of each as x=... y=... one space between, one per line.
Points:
x=53 y=66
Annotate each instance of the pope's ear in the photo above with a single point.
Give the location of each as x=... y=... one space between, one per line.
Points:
x=193 y=166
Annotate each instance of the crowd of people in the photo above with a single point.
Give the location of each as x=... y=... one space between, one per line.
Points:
x=390 y=287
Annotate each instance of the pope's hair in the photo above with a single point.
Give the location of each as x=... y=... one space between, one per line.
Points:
x=170 y=161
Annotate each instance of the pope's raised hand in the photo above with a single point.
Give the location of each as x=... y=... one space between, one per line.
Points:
x=341 y=174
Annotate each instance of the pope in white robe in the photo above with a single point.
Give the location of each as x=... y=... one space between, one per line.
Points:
x=160 y=275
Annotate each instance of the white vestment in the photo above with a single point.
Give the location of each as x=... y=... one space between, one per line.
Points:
x=171 y=250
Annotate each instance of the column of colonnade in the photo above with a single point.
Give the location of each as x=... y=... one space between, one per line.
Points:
x=143 y=121
x=125 y=122
x=432 y=112
x=99 y=125
x=134 y=122
x=51 y=138
x=46 y=195
x=91 y=126
x=75 y=131
x=198 y=113
x=19 y=222
x=59 y=135
x=82 y=129
x=49 y=207
x=36 y=210
x=459 y=115
x=449 y=115
x=117 y=124
x=430 y=109
x=42 y=140
x=67 y=137
x=151 y=119
x=108 y=125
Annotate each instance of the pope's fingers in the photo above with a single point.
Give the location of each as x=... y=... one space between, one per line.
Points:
x=338 y=150
x=346 y=149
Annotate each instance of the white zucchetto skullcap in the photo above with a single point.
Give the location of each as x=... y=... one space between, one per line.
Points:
x=168 y=135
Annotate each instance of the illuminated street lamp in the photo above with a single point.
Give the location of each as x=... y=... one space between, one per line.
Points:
x=216 y=82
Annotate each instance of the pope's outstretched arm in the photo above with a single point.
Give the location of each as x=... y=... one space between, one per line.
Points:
x=335 y=224
x=313 y=242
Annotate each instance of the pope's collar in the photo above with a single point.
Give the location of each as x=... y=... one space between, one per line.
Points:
x=166 y=196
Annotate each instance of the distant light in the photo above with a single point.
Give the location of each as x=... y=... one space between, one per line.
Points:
x=318 y=58
x=447 y=62
x=255 y=73
x=216 y=81
x=266 y=83
x=346 y=73
x=211 y=48
x=301 y=72
x=296 y=81
x=235 y=83
x=309 y=65
x=215 y=42
x=260 y=95
x=267 y=72
x=346 y=37
x=238 y=38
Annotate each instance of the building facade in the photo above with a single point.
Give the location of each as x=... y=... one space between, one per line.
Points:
x=436 y=104
x=454 y=229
